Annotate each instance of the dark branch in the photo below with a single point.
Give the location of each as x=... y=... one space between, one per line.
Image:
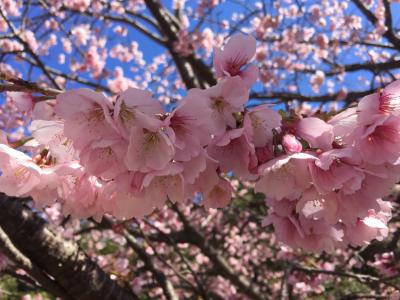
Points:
x=62 y=260
x=350 y=97
x=196 y=238
x=23 y=262
x=389 y=34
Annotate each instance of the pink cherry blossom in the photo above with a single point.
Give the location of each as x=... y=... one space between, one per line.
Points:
x=311 y=235
x=193 y=168
x=126 y=155
x=234 y=153
x=386 y=263
x=30 y=38
x=45 y=193
x=51 y=134
x=389 y=99
x=103 y=158
x=163 y=185
x=189 y=123
x=83 y=199
x=120 y=83
x=291 y=144
x=19 y=174
x=336 y=170
x=149 y=149
x=315 y=206
x=44 y=110
x=259 y=123
x=371 y=227
x=379 y=142
x=224 y=99
x=238 y=51
x=356 y=205
x=122 y=197
x=385 y=102
x=316 y=132
x=80 y=5
x=285 y=177
x=203 y=181
x=219 y=196
x=368 y=110
x=81 y=34
x=79 y=192
x=344 y=125
x=87 y=116
x=132 y=106
x=317 y=80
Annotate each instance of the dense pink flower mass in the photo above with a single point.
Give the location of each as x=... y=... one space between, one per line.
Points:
x=127 y=156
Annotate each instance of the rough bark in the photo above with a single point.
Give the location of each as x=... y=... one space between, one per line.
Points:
x=62 y=260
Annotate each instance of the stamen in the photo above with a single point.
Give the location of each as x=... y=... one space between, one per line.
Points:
x=96 y=114
x=218 y=104
x=389 y=103
x=126 y=113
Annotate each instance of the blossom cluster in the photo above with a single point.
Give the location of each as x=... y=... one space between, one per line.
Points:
x=328 y=193
x=323 y=177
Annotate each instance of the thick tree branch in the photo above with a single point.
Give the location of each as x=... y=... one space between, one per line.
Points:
x=367 y=13
x=61 y=259
x=379 y=247
x=23 y=262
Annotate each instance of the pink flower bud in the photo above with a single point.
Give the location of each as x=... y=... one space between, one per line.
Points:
x=291 y=144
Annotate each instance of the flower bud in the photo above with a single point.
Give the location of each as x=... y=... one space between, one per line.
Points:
x=291 y=144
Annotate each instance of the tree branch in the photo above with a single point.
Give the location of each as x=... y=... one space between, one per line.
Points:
x=238 y=280
x=20 y=85
x=29 y=50
x=367 y=66
x=23 y=262
x=62 y=260
x=389 y=34
x=161 y=278
x=193 y=71
x=350 y=97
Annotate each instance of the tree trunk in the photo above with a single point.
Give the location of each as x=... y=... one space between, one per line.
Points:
x=62 y=260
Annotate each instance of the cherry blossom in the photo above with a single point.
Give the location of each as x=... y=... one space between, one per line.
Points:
x=88 y=121
x=149 y=148
x=286 y=176
x=19 y=173
x=238 y=51
x=203 y=149
x=224 y=99
x=126 y=152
